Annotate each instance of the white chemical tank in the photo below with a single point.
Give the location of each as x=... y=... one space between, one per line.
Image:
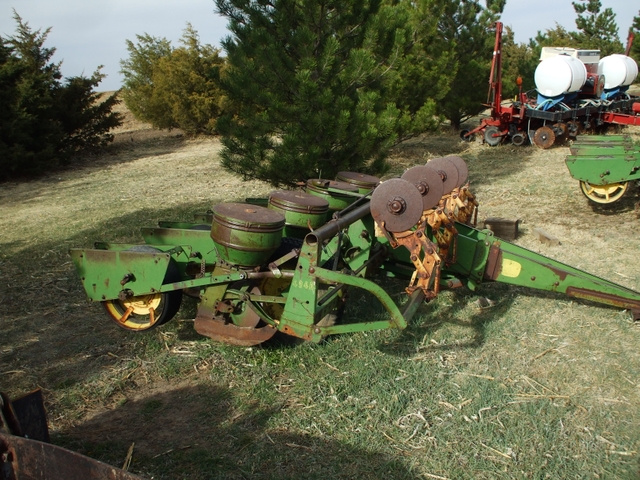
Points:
x=618 y=70
x=560 y=74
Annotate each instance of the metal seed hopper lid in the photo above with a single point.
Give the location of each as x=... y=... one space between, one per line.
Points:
x=323 y=185
x=448 y=172
x=248 y=216
x=359 y=179
x=428 y=182
x=298 y=201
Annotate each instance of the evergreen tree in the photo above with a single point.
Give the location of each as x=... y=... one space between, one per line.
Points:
x=188 y=82
x=45 y=120
x=596 y=29
x=518 y=60
x=425 y=71
x=635 y=46
x=173 y=87
x=139 y=72
x=467 y=28
x=553 y=37
x=308 y=87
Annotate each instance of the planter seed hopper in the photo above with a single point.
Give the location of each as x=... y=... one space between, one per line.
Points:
x=285 y=264
x=605 y=165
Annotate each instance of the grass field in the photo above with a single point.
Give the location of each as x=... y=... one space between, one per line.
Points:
x=501 y=383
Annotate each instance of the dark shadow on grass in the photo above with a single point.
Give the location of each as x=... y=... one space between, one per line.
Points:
x=127 y=148
x=52 y=337
x=432 y=316
x=629 y=202
x=203 y=432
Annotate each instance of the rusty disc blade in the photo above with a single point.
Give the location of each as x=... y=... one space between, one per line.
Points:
x=544 y=137
x=428 y=182
x=397 y=203
x=221 y=331
x=463 y=170
x=448 y=172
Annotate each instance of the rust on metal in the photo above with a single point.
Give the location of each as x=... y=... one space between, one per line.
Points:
x=448 y=172
x=544 y=137
x=463 y=170
x=26 y=459
x=300 y=202
x=219 y=330
x=397 y=203
x=247 y=217
x=360 y=180
x=428 y=182
x=240 y=228
x=562 y=274
x=494 y=263
x=30 y=413
x=426 y=261
x=606 y=298
x=323 y=184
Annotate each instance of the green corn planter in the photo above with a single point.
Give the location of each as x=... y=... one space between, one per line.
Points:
x=244 y=234
x=605 y=169
x=365 y=183
x=300 y=210
x=339 y=194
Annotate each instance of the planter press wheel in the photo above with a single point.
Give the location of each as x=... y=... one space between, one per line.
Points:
x=144 y=312
x=604 y=193
x=519 y=138
x=573 y=129
x=562 y=131
x=489 y=136
x=465 y=137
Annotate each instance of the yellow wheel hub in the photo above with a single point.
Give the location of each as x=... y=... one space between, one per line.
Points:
x=604 y=193
x=136 y=313
x=141 y=305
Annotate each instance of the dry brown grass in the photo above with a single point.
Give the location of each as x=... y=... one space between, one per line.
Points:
x=538 y=350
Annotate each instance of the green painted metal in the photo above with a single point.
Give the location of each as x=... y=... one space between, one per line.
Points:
x=339 y=195
x=298 y=288
x=596 y=150
x=604 y=169
x=246 y=234
x=598 y=161
x=516 y=265
x=200 y=242
x=106 y=273
x=302 y=212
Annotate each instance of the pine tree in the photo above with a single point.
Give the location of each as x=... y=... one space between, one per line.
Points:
x=188 y=82
x=138 y=70
x=468 y=28
x=596 y=29
x=519 y=60
x=635 y=46
x=44 y=119
x=305 y=87
x=425 y=71
x=173 y=87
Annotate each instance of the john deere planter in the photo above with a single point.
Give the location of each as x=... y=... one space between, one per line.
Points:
x=285 y=263
x=605 y=166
